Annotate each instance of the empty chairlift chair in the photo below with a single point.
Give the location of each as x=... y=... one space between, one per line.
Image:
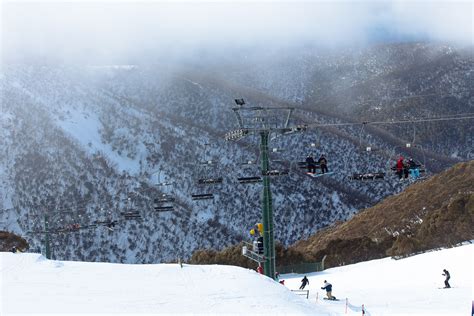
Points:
x=163 y=203
x=367 y=175
x=131 y=215
x=207 y=176
x=249 y=176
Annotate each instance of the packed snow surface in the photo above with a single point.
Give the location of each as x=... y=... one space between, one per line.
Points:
x=31 y=284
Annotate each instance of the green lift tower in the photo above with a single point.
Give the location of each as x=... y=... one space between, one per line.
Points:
x=264 y=121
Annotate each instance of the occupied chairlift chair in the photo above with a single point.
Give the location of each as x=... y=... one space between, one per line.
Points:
x=421 y=165
x=413 y=146
x=314 y=165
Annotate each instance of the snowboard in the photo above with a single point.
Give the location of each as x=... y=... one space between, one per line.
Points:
x=334 y=299
x=315 y=175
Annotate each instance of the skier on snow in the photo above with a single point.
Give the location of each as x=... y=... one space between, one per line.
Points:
x=304 y=281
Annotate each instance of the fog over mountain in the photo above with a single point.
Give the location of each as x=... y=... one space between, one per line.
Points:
x=101 y=101
x=150 y=30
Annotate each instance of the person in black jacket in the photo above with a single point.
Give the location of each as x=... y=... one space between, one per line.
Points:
x=304 y=281
x=448 y=276
x=310 y=163
x=413 y=168
x=328 y=287
x=323 y=163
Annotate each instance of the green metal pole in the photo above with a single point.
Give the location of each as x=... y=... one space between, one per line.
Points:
x=46 y=238
x=268 y=238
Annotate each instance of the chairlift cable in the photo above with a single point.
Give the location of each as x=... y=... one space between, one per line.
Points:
x=407 y=97
x=428 y=119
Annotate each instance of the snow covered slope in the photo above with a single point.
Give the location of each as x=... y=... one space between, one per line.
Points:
x=411 y=286
x=98 y=288
x=31 y=284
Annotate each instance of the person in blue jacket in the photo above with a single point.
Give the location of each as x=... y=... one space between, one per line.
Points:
x=328 y=287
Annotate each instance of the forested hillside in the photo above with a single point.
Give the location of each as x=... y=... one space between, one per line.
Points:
x=86 y=143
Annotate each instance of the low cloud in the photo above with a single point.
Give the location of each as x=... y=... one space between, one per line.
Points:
x=78 y=30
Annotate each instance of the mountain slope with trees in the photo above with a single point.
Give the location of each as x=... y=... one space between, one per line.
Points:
x=82 y=144
x=438 y=212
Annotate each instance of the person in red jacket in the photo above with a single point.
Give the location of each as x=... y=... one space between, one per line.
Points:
x=260 y=269
x=400 y=166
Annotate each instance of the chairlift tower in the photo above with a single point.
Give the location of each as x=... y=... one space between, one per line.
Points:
x=264 y=121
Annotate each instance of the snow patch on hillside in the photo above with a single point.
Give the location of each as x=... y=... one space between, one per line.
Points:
x=85 y=129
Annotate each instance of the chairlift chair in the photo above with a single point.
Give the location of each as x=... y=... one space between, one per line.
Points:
x=164 y=201
x=210 y=180
x=207 y=175
x=369 y=174
x=249 y=179
x=202 y=196
x=129 y=215
x=164 y=198
x=163 y=208
x=281 y=170
x=276 y=173
x=421 y=165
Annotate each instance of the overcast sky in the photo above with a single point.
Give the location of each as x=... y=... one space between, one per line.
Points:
x=74 y=29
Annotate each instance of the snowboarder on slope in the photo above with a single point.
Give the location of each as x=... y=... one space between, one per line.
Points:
x=304 y=281
x=328 y=287
x=448 y=276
